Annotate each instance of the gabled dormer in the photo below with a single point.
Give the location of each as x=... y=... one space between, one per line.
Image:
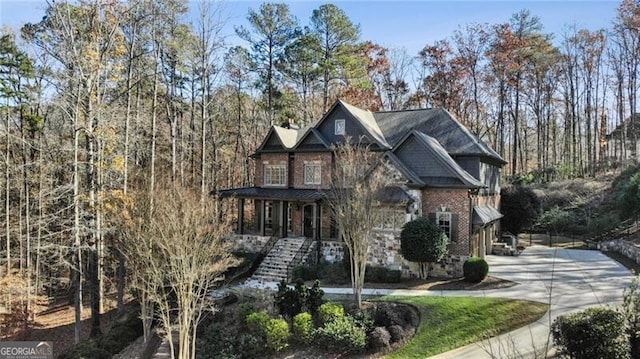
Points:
x=431 y=164
x=312 y=140
x=344 y=120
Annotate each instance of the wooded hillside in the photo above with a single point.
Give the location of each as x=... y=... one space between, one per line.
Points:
x=103 y=100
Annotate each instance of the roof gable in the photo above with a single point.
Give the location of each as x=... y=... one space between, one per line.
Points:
x=312 y=139
x=358 y=124
x=271 y=142
x=436 y=123
x=431 y=163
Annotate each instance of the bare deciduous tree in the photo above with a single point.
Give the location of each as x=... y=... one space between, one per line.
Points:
x=354 y=193
x=179 y=255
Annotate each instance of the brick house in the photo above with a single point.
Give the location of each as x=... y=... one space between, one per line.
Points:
x=440 y=171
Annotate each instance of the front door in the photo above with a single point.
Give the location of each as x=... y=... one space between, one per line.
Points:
x=307 y=220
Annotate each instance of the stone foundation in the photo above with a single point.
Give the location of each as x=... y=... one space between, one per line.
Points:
x=248 y=242
x=384 y=251
x=628 y=249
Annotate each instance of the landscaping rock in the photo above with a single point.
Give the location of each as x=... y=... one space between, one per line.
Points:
x=379 y=338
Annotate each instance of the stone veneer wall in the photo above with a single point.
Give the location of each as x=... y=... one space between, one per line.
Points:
x=384 y=251
x=628 y=249
x=248 y=242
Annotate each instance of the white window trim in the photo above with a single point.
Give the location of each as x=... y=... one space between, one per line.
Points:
x=317 y=180
x=340 y=131
x=268 y=180
x=449 y=217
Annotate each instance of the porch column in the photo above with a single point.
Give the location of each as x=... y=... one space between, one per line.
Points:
x=240 y=215
x=262 y=208
x=318 y=221
x=284 y=218
x=481 y=238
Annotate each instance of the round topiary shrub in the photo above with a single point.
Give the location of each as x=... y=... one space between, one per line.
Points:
x=303 y=327
x=341 y=335
x=257 y=322
x=330 y=311
x=475 y=269
x=276 y=333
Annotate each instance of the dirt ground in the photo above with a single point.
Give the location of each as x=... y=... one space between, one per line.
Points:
x=56 y=324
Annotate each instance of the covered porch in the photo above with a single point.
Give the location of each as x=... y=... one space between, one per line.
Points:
x=485 y=219
x=282 y=212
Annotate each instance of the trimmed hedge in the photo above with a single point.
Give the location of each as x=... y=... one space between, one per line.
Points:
x=593 y=333
x=475 y=269
x=340 y=335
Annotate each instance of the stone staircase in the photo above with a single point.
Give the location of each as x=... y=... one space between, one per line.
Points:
x=274 y=265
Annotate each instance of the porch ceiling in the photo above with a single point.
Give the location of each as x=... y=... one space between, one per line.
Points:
x=284 y=194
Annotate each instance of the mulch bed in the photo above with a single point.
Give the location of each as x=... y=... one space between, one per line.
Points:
x=432 y=284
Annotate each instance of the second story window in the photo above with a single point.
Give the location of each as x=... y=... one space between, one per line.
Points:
x=312 y=173
x=275 y=175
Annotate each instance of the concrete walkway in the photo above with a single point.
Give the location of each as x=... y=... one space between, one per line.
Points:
x=568 y=279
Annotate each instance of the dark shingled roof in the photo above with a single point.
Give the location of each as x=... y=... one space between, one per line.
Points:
x=289 y=194
x=483 y=215
x=437 y=123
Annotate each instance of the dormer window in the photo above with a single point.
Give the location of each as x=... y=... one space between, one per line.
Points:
x=340 y=127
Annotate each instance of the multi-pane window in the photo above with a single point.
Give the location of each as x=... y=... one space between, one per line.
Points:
x=275 y=175
x=312 y=173
x=392 y=219
x=443 y=220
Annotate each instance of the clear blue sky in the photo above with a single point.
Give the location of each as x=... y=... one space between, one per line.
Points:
x=395 y=24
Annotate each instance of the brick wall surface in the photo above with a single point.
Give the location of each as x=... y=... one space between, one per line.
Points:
x=268 y=158
x=456 y=201
x=298 y=168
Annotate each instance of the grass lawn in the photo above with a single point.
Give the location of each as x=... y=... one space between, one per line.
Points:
x=449 y=323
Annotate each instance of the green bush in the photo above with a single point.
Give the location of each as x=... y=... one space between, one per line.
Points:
x=592 y=333
x=521 y=208
x=341 y=334
x=303 y=327
x=243 y=310
x=305 y=273
x=314 y=300
x=248 y=346
x=256 y=322
x=276 y=334
x=291 y=301
x=329 y=312
x=475 y=269
x=85 y=350
x=422 y=241
x=126 y=329
x=216 y=342
x=375 y=274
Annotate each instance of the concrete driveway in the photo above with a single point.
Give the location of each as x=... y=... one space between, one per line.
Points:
x=568 y=279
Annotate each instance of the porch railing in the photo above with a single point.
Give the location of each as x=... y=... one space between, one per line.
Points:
x=297 y=259
x=273 y=239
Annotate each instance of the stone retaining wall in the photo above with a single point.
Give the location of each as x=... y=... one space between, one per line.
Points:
x=628 y=249
x=248 y=242
x=384 y=251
